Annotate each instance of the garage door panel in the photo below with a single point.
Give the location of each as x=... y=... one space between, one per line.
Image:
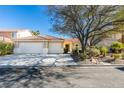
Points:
x=55 y=47
x=31 y=47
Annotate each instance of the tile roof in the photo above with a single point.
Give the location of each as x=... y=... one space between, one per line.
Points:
x=12 y=30
x=52 y=37
x=72 y=40
x=40 y=38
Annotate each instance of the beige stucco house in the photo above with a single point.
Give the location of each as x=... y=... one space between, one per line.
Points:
x=39 y=44
x=25 y=42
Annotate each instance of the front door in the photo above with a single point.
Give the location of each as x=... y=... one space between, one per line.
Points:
x=67 y=48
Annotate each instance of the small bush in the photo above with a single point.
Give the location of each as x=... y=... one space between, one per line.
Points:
x=117 y=56
x=117 y=47
x=83 y=56
x=6 y=48
x=104 y=50
x=9 y=48
x=80 y=51
x=66 y=50
x=93 y=52
x=122 y=56
x=75 y=51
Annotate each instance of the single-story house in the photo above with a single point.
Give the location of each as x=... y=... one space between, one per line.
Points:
x=71 y=43
x=38 y=44
x=25 y=42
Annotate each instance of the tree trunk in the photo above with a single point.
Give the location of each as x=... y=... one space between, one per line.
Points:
x=83 y=49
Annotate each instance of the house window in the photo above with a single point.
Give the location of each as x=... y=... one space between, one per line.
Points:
x=14 y=35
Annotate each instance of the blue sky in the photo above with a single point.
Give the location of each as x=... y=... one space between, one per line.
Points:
x=26 y=17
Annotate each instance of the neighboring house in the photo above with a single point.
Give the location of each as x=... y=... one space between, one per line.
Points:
x=7 y=35
x=113 y=38
x=5 y=39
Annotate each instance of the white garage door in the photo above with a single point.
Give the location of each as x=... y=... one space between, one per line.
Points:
x=30 y=47
x=55 y=47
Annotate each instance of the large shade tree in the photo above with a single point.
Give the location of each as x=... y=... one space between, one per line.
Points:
x=87 y=23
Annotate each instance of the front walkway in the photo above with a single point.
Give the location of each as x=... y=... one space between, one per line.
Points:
x=37 y=60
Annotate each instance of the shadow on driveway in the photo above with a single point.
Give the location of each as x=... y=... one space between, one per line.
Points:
x=120 y=68
x=27 y=77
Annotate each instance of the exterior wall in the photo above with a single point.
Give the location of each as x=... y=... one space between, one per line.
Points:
x=6 y=34
x=108 y=41
x=117 y=36
x=72 y=45
x=6 y=37
x=23 y=33
x=76 y=43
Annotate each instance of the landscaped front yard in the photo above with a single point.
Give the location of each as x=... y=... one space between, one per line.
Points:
x=98 y=54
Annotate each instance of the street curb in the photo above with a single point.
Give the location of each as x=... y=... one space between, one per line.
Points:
x=83 y=65
x=86 y=65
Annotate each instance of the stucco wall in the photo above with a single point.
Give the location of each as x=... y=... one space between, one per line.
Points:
x=23 y=33
x=6 y=34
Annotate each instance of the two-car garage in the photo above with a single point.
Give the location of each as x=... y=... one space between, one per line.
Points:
x=38 y=45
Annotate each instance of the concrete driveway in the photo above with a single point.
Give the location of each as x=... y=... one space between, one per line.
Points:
x=62 y=77
x=37 y=60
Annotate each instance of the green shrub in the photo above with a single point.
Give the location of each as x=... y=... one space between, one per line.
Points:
x=66 y=50
x=83 y=56
x=117 y=46
x=103 y=50
x=75 y=51
x=9 y=48
x=93 y=52
x=122 y=56
x=6 y=48
x=98 y=47
x=117 y=56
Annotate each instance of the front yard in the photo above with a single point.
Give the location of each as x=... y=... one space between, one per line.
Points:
x=98 y=54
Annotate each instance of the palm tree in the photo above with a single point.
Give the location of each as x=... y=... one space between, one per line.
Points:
x=36 y=33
